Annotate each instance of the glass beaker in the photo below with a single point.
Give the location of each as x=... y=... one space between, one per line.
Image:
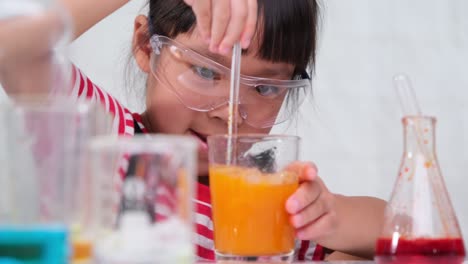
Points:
x=42 y=158
x=420 y=223
x=249 y=195
x=140 y=192
x=33 y=37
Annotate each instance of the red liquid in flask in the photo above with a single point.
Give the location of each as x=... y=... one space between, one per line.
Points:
x=420 y=251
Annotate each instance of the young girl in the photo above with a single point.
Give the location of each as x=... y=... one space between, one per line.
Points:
x=184 y=49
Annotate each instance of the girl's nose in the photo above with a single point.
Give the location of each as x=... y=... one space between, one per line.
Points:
x=222 y=113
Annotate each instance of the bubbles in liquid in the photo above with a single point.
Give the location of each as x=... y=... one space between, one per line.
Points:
x=252 y=176
x=255 y=176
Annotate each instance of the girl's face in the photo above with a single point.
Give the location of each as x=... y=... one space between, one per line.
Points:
x=165 y=113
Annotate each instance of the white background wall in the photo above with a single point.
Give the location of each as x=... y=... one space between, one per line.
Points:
x=352 y=127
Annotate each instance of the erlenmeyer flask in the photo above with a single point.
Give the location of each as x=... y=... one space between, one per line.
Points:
x=420 y=223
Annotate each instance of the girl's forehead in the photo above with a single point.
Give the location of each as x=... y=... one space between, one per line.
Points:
x=252 y=65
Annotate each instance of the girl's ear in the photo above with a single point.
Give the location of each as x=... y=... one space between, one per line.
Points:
x=140 y=44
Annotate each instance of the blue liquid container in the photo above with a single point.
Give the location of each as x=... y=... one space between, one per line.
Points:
x=34 y=245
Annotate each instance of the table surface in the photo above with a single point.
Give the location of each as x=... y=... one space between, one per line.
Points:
x=306 y=262
x=301 y=262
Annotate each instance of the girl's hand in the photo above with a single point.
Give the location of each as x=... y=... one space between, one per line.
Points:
x=222 y=23
x=27 y=62
x=349 y=224
x=312 y=206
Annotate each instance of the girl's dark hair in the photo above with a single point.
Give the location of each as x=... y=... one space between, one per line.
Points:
x=289 y=31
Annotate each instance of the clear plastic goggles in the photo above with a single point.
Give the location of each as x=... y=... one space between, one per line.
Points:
x=202 y=84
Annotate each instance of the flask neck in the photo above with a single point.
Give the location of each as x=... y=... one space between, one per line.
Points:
x=419 y=135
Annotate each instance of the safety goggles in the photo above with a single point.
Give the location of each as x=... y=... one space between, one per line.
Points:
x=202 y=84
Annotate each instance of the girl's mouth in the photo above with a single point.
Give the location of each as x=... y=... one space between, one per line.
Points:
x=201 y=139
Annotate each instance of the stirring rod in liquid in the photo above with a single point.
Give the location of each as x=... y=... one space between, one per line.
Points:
x=233 y=103
x=410 y=107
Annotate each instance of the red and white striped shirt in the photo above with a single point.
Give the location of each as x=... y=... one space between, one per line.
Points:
x=124 y=124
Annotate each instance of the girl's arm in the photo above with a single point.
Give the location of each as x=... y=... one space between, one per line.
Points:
x=86 y=13
x=26 y=48
x=359 y=223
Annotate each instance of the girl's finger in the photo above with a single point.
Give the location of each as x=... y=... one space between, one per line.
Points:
x=202 y=10
x=250 y=24
x=305 y=195
x=189 y=2
x=319 y=228
x=311 y=213
x=307 y=171
x=239 y=14
x=219 y=23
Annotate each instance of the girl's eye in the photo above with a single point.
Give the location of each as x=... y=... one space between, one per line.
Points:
x=265 y=90
x=205 y=73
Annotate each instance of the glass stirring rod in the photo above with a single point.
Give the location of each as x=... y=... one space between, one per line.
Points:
x=405 y=91
x=233 y=102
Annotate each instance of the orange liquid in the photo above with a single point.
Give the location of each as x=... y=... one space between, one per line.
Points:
x=249 y=212
x=82 y=250
x=183 y=196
